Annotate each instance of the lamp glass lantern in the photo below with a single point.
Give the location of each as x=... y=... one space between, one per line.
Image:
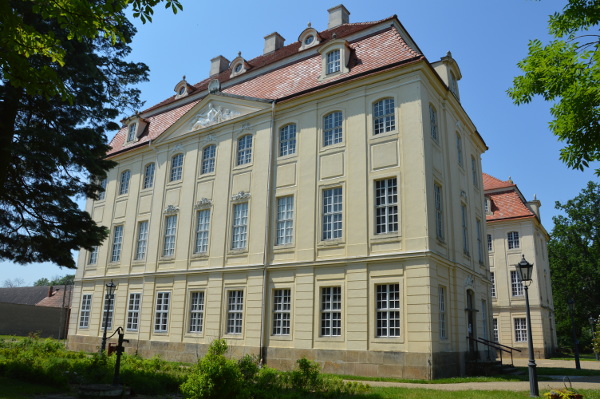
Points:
x=525 y=270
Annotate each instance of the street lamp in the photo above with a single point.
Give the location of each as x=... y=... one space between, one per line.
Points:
x=110 y=290
x=593 y=328
x=571 y=303
x=525 y=271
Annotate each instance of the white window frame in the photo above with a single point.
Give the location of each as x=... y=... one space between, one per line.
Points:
x=474 y=171
x=239 y=236
x=244 y=150
x=433 y=122
x=333 y=128
x=85 y=311
x=102 y=193
x=384 y=116
x=209 y=157
x=170 y=236
x=149 y=175
x=439 y=211
x=141 y=246
x=124 y=182
x=386 y=206
x=496 y=330
x=133 y=311
x=479 y=227
x=282 y=311
x=285 y=220
x=117 y=243
x=235 y=312
x=197 y=299
x=442 y=312
x=333 y=216
x=387 y=310
x=161 y=312
x=459 y=149
x=520 y=328
x=465 y=228
x=514 y=241
x=493 y=288
x=176 y=172
x=516 y=285
x=131 y=131
x=287 y=140
x=490 y=243
x=202 y=231
x=331 y=311
x=333 y=61
x=93 y=256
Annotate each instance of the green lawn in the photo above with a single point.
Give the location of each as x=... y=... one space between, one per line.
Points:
x=16 y=389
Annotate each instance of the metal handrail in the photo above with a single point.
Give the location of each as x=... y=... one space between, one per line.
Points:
x=497 y=346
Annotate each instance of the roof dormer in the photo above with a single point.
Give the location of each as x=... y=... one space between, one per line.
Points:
x=335 y=57
x=238 y=65
x=448 y=70
x=183 y=88
x=135 y=127
x=309 y=38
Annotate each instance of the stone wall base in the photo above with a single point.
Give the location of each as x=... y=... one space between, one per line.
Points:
x=351 y=362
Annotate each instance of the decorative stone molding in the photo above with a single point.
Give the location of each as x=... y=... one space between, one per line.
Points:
x=469 y=282
x=240 y=196
x=171 y=209
x=213 y=116
x=245 y=127
x=203 y=203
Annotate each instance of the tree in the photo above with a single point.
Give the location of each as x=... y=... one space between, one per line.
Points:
x=567 y=72
x=574 y=254
x=16 y=282
x=65 y=280
x=63 y=81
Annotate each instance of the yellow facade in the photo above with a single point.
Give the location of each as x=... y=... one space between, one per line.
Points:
x=312 y=275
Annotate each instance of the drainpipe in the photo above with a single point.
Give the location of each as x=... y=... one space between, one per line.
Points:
x=267 y=242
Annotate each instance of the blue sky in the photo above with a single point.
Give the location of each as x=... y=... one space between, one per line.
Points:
x=487 y=38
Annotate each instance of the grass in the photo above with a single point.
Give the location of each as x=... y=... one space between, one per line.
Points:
x=454 y=380
x=563 y=371
x=17 y=389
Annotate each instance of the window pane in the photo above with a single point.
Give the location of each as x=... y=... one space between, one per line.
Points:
x=287 y=140
x=117 y=242
x=124 y=183
x=202 y=230
x=142 y=240
x=133 y=312
x=176 y=167
x=285 y=220
x=333 y=61
x=332 y=128
x=235 y=312
x=388 y=310
x=331 y=311
x=244 y=154
x=170 y=235
x=384 y=119
x=332 y=213
x=240 y=224
x=149 y=175
x=161 y=315
x=386 y=206
x=282 y=300
x=84 y=313
x=208 y=159
x=196 y=312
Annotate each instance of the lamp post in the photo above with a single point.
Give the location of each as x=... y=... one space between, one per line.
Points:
x=593 y=327
x=525 y=271
x=571 y=303
x=110 y=290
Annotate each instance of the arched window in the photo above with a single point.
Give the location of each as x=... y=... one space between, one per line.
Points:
x=287 y=140
x=176 y=167
x=384 y=117
x=208 y=159
x=332 y=128
x=244 y=151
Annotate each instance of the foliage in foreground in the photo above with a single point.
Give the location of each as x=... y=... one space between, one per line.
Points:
x=216 y=376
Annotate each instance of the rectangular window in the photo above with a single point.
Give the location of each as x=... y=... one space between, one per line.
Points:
x=388 y=310
x=493 y=280
x=520 y=330
x=124 y=182
x=196 y=312
x=459 y=150
x=176 y=167
x=439 y=216
x=133 y=312
x=513 y=240
x=102 y=193
x=331 y=311
x=332 y=213
x=442 y=298
x=244 y=153
x=117 y=243
x=332 y=128
x=386 y=206
x=202 y=230
x=333 y=61
x=465 y=228
x=131 y=132
x=93 y=258
x=287 y=140
x=170 y=234
x=208 y=159
x=474 y=172
x=161 y=315
x=84 y=312
x=285 y=220
x=515 y=283
x=109 y=307
x=142 y=240
x=282 y=302
x=490 y=243
x=496 y=333
x=149 y=175
x=240 y=226
x=433 y=122
x=235 y=312
x=484 y=320
x=384 y=118
x=479 y=241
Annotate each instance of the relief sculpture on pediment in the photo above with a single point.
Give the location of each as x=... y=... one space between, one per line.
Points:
x=213 y=115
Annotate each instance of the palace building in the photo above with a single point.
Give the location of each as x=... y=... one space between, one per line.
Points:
x=323 y=199
x=514 y=229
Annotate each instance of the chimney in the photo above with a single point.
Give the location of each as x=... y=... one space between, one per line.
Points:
x=338 y=15
x=218 y=65
x=273 y=42
x=50 y=291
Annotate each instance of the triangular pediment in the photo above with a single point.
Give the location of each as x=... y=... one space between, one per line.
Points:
x=212 y=111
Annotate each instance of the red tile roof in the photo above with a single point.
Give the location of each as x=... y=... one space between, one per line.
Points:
x=506 y=200
x=370 y=53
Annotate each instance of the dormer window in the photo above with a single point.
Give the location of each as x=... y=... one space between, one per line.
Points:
x=131 y=133
x=238 y=65
x=335 y=57
x=182 y=88
x=309 y=38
